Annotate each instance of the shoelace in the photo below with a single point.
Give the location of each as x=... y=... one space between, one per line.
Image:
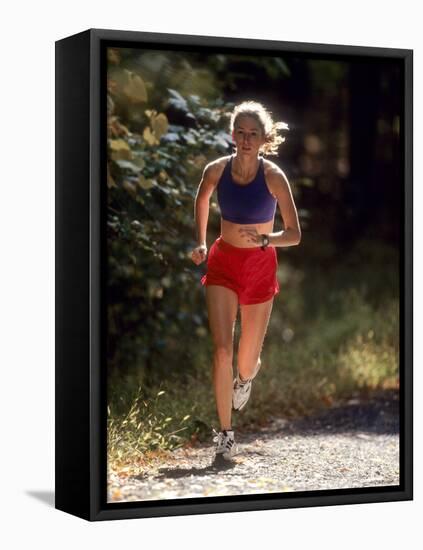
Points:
x=242 y=388
x=242 y=384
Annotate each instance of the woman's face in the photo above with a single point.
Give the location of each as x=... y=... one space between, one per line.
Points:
x=247 y=135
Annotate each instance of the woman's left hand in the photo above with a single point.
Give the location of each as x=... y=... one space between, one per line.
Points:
x=251 y=235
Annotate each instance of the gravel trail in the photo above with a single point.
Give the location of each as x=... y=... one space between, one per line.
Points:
x=352 y=444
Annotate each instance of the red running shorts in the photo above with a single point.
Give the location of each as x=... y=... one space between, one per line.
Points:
x=248 y=271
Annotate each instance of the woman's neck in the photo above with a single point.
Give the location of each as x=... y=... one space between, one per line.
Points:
x=245 y=166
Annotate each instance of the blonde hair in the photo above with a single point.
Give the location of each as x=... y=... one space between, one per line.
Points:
x=264 y=118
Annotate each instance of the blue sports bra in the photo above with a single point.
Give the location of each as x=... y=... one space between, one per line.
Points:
x=248 y=203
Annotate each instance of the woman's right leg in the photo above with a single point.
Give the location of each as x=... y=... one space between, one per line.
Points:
x=222 y=305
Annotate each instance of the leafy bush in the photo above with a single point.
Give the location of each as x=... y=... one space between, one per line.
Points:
x=155 y=165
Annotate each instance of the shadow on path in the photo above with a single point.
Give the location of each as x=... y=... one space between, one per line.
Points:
x=377 y=415
x=219 y=464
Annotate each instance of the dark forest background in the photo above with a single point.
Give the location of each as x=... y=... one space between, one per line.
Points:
x=334 y=330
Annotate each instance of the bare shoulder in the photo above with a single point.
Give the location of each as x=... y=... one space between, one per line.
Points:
x=213 y=170
x=218 y=164
x=275 y=178
x=273 y=172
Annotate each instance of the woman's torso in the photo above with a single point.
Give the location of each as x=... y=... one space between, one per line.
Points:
x=230 y=230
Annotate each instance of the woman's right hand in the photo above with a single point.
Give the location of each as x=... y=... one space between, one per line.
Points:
x=199 y=254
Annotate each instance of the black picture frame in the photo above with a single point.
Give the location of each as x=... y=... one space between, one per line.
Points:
x=80 y=429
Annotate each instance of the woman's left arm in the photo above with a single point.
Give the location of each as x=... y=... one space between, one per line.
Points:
x=279 y=186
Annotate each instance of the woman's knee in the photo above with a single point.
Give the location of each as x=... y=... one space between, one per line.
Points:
x=223 y=354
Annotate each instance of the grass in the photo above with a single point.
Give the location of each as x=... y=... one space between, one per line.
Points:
x=145 y=430
x=347 y=343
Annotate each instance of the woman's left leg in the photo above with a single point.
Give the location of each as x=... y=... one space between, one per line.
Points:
x=254 y=322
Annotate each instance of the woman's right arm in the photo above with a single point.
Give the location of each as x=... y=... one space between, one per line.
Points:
x=201 y=210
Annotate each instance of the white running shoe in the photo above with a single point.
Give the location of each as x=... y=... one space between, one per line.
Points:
x=241 y=393
x=242 y=390
x=226 y=445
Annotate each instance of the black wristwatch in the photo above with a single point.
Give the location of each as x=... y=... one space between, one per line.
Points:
x=265 y=241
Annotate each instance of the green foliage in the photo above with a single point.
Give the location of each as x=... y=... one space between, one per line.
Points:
x=327 y=75
x=155 y=166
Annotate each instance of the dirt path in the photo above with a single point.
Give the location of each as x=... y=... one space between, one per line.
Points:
x=354 y=444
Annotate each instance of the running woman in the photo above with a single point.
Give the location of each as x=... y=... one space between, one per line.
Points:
x=242 y=262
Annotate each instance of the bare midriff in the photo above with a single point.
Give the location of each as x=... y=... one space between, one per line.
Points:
x=231 y=234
